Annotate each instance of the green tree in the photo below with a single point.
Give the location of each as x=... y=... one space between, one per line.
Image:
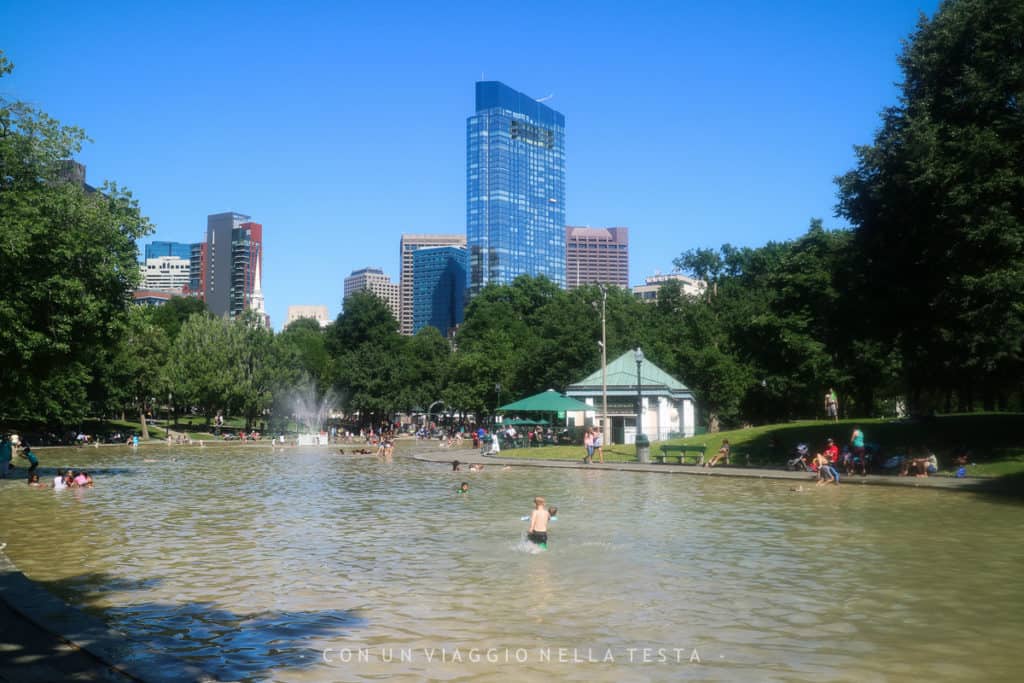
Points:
x=139 y=363
x=938 y=205
x=68 y=256
x=173 y=314
x=366 y=352
x=199 y=368
x=306 y=342
x=423 y=369
x=255 y=372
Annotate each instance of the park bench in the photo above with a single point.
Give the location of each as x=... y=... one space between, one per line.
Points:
x=682 y=453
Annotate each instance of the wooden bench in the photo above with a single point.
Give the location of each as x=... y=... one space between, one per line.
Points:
x=682 y=452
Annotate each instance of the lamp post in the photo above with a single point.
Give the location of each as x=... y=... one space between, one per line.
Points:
x=643 y=446
x=605 y=427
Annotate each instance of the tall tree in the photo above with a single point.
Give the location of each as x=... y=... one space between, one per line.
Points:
x=938 y=204
x=69 y=262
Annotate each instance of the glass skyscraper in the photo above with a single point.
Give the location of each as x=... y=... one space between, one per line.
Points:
x=178 y=249
x=439 y=288
x=515 y=188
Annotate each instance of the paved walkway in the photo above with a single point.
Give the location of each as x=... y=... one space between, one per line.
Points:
x=446 y=455
x=28 y=654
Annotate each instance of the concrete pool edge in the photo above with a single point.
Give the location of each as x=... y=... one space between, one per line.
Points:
x=469 y=456
x=85 y=632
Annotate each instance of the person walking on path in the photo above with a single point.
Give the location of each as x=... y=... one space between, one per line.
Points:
x=599 y=445
x=588 y=444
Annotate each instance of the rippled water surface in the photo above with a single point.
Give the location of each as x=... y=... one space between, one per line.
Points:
x=261 y=566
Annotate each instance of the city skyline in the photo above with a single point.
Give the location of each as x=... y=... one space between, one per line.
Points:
x=694 y=125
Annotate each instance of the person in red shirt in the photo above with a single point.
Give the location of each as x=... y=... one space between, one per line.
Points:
x=831 y=451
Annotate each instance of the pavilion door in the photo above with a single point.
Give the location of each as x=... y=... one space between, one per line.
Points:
x=618 y=430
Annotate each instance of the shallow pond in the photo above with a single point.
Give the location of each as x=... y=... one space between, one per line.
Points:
x=310 y=566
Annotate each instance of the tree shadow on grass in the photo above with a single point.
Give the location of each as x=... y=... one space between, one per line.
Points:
x=224 y=644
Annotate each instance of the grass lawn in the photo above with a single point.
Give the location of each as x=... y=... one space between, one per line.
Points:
x=995 y=439
x=611 y=453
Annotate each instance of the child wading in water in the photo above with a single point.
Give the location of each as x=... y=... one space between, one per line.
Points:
x=538 y=532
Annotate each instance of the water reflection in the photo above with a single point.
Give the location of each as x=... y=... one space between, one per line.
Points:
x=252 y=563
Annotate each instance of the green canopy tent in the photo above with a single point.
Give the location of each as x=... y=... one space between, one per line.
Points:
x=549 y=401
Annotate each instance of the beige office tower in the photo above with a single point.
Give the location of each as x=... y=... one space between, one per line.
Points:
x=406 y=279
x=374 y=280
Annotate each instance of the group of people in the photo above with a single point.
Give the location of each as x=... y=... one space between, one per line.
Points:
x=65 y=479
x=857 y=458
x=593 y=443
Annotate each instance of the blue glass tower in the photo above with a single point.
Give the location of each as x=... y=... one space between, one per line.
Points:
x=515 y=188
x=156 y=249
x=439 y=288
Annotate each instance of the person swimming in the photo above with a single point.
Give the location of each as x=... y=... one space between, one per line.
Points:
x=464 y=487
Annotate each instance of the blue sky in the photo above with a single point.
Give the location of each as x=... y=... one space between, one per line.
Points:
x=341 y=125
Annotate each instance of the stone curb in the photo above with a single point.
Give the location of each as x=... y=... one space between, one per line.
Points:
x=935 y=483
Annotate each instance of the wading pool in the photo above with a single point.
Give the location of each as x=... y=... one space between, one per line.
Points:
x=305 y=565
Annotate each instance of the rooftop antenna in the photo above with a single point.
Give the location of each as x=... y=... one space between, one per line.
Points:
x=546 y=98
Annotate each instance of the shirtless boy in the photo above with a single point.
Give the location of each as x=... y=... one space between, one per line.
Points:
x=538 y=532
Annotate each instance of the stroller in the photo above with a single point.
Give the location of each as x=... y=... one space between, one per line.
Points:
x=799 y=461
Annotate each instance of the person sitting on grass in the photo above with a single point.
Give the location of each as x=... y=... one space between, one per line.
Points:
x=722 y=454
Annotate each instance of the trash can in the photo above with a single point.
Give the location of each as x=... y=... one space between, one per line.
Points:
x=643 y=449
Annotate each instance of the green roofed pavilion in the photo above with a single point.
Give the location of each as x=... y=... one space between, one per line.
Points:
x=669 y=405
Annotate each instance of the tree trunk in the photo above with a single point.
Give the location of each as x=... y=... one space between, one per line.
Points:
x=142 y=420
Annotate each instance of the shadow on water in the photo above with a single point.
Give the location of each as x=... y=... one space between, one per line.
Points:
x=224 y=644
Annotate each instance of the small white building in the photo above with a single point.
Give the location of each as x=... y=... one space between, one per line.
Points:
x=648 y=292
x=669 y=407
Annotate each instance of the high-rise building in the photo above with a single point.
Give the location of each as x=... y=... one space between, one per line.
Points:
x=439 y=293
x=197 y=269
x=234 y=259
x=374 y=280
x=515 y=188
x=246 y=269
x=409 y=245
x=178 y=249
x=165 y=274
x=317 y=313
x=596 y=256
x=648 y=292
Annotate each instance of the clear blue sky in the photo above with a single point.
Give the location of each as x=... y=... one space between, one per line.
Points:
x=341 y=125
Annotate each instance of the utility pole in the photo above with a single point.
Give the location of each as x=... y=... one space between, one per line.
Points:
x=605 y=426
